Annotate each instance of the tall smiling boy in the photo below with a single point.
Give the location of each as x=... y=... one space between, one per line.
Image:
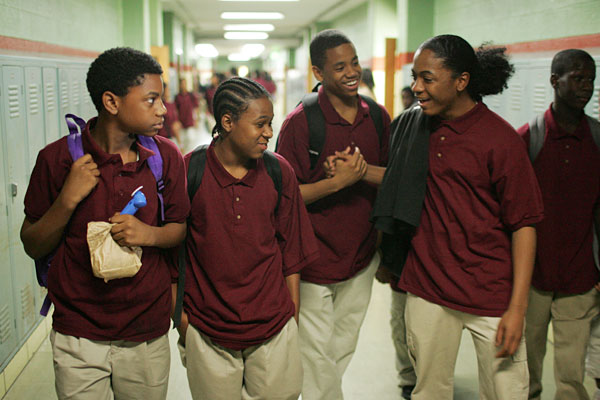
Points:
x=109 y=340
x=335 y=290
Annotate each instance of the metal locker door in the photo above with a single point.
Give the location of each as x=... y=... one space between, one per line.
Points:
x=64 y=100
x=87 y=107
x=516 y=95
x=8 y=334
x=16 y=167
x=51 y=120
x=542 y=93
x=594 y=104
x=75 y=90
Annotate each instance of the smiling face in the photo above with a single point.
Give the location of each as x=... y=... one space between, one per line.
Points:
x=141 y=111
x=575 y=87
x=248 y=136
x=341 y=71
x=438 y=90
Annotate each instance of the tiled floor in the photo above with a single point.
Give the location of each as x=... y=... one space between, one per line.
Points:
x=371 y=374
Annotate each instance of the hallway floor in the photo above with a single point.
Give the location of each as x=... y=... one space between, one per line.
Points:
x=371 y=374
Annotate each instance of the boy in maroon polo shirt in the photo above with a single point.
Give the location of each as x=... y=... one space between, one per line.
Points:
x=568 y=170
x=186 y=104
x=246 y=249
x=109 y=339
x=171 y=126
x=471 y=256
x=335 y=291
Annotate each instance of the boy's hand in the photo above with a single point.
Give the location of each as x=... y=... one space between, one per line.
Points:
x=329 y=163
x=350 y=168
x=130 y=231
x=82 y=178
x=182 y=328
x=510 y=331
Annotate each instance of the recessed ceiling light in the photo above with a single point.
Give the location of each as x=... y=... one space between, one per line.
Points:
x=246 y=35
x=249 y=27
x=206 y=50
x=253 y=49
x=252 y=15
x=238 y=57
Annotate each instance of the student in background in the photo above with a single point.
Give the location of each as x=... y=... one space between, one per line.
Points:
x=186 y=103
x=109 y=339
x=408 y=97
x=246 y=249
x=367 y=84
x=335 y=291
x=471 y=241
x=171 y=125
x=566 y=160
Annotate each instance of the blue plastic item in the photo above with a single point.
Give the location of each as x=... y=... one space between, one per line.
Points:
x=138 y=200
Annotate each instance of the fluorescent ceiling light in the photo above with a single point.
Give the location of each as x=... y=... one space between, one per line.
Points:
x=253 y=49
x=246 y=35
x=238 y=57
x=179 y=51
x=257 y=1
x=206 y=50
x=251 y=15
x=249 y=27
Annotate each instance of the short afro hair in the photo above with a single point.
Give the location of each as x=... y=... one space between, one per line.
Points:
x=116 y=70
x=325 y=40
x=565 y=60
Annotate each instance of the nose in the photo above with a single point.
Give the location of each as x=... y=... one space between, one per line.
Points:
x=416 y=86
x=268 y=132
x=162 y=109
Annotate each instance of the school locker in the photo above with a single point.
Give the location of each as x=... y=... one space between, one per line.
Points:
x=592 y=107
x=542 y=93
x=8 y=337
x=64 y=99
x=15 y=155
x=35 y=115
x=51 y=118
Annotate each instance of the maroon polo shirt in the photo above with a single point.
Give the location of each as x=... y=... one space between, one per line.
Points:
x=186 y=102
x=136 y=308
x=568 y=170
x=170 y=118
x=240 y=252
x=480 y=188
x=347 y=211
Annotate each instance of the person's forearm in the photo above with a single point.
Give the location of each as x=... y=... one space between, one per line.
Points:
x=312 y=192
x=523 y=258
x=293 y=284
x=374 y=174
x=41 y=237
x=169 y=235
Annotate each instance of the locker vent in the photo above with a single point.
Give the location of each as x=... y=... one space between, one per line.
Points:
x=50 y=96
x=13 y=101
x=76 y=93
x=34 y=99
x=515 y=98
x=596 y=103
x=64 y=95
x=27 y=303
x=539 y=98
x=5 y=324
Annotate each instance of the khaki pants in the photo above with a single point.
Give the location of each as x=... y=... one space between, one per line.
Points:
x=433 y=336
x=272 y=370
x=97 y=370
x=330 y=320
x=571 y=317
x=406 y=372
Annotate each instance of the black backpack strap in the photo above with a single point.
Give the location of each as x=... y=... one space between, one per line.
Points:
x=316 y=127
x=537 y=136
x=594 y=129
x=274 y=170
x=376 y=116
x=194 y=178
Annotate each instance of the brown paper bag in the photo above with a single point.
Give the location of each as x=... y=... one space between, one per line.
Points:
x=109 y=260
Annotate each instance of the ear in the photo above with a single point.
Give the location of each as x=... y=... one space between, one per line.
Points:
x=111 y=102
x=227 y=123
x=317 y=73
x=554 y=80
x=463 y=81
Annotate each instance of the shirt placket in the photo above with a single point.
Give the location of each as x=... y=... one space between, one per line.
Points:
x=238 y=205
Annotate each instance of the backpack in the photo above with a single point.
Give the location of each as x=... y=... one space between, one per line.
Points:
x=155 y=162
x=316 y=123
x=537 y=134
x=194 y=178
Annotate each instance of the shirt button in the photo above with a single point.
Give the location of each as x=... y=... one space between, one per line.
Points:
x=237 y=199
x=443 y=138
x=439 y=155
x=567 y=147
x=566 y=161
x=239 y=217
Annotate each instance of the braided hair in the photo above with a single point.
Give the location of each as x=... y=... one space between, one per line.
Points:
x=233 y=97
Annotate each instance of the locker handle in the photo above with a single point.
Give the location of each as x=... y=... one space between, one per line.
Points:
x=13 y=189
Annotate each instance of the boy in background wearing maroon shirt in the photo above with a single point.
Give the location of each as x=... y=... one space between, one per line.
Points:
x=568 y=170
x=186 y=103
x=336 y=290
x=109 y=339
x=471 y=256
x=241 y=298
x=171 y=126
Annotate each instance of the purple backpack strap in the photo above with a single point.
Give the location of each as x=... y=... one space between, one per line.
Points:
x=74 y=139
x=156 y=166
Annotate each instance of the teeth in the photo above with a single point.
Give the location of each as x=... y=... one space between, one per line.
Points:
x=351 y=83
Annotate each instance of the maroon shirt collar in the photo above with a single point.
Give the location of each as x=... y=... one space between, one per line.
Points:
x=100 y=156
x=223 y=177
x=332 y=116
x=556 y=131
x=463 y=123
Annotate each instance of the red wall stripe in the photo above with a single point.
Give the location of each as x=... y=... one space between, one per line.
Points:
x=30 y=46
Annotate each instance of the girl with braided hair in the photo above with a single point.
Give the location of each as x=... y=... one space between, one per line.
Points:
x=246 y=245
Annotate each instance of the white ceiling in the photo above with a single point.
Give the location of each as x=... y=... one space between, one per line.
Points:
x=204 y=18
